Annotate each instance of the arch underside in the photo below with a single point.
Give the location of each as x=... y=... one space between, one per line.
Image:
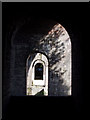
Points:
x=57 y=46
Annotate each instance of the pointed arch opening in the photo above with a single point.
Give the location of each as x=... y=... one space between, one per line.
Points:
x=57 y=46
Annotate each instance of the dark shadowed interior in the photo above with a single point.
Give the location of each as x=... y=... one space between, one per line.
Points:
x=21 y=16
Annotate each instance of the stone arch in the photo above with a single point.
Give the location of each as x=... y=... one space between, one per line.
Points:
x=57 y=46
x=34 y=86
x=51 y=39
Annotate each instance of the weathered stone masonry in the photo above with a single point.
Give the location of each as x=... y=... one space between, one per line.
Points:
x=51 y=39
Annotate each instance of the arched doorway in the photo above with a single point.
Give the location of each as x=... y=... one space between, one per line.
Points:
x=37 y=74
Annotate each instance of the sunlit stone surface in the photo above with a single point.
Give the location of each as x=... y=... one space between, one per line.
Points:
x=57 y=46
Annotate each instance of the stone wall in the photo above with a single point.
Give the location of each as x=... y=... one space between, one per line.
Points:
x=51 y=39
x=57 y=46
